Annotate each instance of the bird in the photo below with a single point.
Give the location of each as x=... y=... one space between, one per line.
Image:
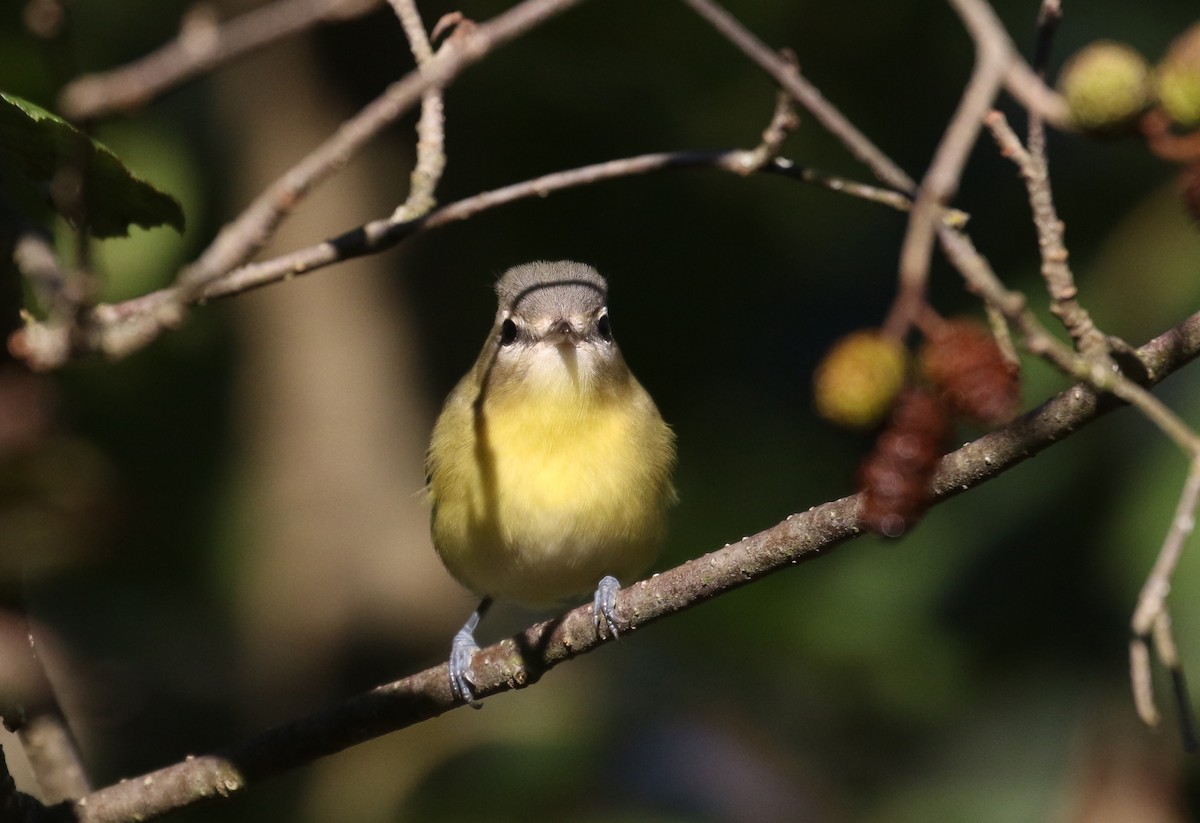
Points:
x=549 y=470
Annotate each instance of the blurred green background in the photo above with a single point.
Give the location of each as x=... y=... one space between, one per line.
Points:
x=226 y=530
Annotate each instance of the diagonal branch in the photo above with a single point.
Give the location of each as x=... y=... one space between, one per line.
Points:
x=940 y=183
x=980 y=278
x=788 y=76
x=241 y=239
x=202 y=44
x=519 y=661
x=997 y=66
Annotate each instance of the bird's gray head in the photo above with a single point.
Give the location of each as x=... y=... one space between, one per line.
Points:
x=558 y=301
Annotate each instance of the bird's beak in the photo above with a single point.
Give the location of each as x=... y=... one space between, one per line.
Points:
x=562 y=333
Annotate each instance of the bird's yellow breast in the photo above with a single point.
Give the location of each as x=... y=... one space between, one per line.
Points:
x=540 y=492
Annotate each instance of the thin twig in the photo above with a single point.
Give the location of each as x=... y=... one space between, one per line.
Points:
x=1049 y=16
x=242 y=238
x=1105 y=377
x=431 y=131
x=1141 y=678
x=379 y=235
x=980 y=278
x=1152 y=601
x=783 y=123
x=1020 y=80
x=1168 y=653
x=1002 y=335
x=202 y=44
x=788 y=76
x=119 y=328
x=940 y=183
x=414 y=30
x=1060 y=282
x=519 y=661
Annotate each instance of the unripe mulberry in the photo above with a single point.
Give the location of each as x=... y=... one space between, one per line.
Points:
x=1106 y=86
x=1178 y=81
x=856 y=383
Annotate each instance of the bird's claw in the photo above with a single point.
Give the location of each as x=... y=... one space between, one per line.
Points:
x=462 y=650
x=604 y=607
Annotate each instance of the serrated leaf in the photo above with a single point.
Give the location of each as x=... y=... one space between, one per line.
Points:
x=35 y=145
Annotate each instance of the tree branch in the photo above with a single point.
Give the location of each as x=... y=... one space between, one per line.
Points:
x=380 y=235
x=202 y=44
x=520 y=660
x=119 y=328
x=1151 y=618
x=242 y=238
x=1060 y=281
x=788 y=76
x=431 y=133
x=940 y=183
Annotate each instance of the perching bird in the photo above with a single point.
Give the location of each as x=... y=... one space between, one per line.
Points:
x=550 y=466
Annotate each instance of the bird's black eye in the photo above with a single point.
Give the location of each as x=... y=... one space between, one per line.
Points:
x=604 y=328
x=508 y=332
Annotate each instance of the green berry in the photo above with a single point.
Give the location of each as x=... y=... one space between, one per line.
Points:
x=857 y=382
x=1106 y=85
x=1179 y=78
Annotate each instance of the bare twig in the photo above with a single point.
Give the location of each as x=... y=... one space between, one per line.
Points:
x=414 y=29
x=783 y=123
x=382 y=234
x=1049 y=16
x=1151 y=616
x=997 y=65
x=239 y=240
x=788 y=76
x=203 y=43
x=1002 y=335
x=940 y=183
x=1034 y=167
x=1168 y=653
x=521 y=660
x=1060 y=282
x=1021 y=81
x=431 y=134
x=1141 y=678
x=982 y=280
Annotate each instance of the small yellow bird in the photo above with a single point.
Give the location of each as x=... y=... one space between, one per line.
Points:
x=550 y=466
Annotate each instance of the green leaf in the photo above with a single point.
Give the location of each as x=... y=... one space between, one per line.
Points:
x=36 y=145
